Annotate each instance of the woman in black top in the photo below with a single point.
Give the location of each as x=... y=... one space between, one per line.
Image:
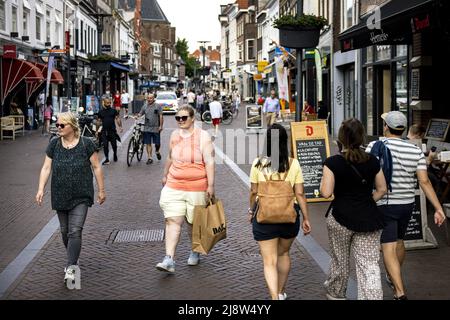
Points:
x=71 y=159
x=355 y=223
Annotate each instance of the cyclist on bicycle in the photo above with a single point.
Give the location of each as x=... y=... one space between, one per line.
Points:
x=152 y=127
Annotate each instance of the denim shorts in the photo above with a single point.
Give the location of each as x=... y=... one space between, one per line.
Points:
x=396 y=218
x=152 y=138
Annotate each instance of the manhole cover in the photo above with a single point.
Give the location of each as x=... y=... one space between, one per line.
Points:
x=139 y=235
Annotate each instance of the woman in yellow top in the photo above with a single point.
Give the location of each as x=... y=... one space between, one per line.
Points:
x=275 y=240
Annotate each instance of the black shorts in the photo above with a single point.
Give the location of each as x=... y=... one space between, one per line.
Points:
x=125 y=105
x=263 y=231
x=396 y=217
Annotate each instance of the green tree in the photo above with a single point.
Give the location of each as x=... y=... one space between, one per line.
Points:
x=182 y=49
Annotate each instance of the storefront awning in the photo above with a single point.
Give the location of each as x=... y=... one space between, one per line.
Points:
x=120 y=66
x=14 y=71
x=398 y=21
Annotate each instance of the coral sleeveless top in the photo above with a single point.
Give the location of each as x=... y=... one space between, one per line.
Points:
x=188 y=171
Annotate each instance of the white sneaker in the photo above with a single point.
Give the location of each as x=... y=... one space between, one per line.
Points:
x=168 y=265
x=72 y=278
x=194 y=258
x=282 y=296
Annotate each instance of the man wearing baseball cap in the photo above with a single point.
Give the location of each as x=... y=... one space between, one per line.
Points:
x=408 y=161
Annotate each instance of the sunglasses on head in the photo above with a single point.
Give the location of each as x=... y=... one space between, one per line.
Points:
x=60 y=125
x=181 y=118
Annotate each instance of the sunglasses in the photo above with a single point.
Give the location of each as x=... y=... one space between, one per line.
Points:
x=181 y=118
x=60 y=125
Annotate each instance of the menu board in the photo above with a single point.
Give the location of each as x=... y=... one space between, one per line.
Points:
x=414 y=230
x=254 y=116
x=311 y=154
x=437 y=129
x=310 y=145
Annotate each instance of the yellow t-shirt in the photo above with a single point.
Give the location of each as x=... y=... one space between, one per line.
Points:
x=294 y=175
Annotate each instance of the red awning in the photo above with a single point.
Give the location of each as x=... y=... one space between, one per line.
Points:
x=56 y=75
x=16 y=70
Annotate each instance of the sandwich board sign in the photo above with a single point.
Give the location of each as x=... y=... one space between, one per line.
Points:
x=310 y=145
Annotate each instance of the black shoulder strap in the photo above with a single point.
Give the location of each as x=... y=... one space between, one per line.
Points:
x=363 y=181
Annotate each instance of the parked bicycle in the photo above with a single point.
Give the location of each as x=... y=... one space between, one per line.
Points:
x=136 y=144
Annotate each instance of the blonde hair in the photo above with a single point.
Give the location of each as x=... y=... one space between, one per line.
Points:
x=70 y=119
x=188 y=109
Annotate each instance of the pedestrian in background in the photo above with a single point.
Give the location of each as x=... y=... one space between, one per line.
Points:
x=125 y=100
x=117 y=101
x=275 y=240
x=152 y=127
x=408 y=162
x=216 y=111
x=271 y=108
x=48 y=113
x=188 y=181
x=71 y=160
x=109 y=120
x=354 y=222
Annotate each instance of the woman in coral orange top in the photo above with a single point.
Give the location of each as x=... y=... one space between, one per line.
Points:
x=188 y=181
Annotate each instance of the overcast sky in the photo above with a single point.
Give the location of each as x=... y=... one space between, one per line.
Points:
x=195 y=20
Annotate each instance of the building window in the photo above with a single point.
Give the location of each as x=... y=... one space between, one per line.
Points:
x=26 y=16
x=14 y=19
x=240 y=51
x=402 y=50
x=324 y=9
x=251 y=49
x=348 y=15
x=38 y=26
x=48 y=37
x=2 y=15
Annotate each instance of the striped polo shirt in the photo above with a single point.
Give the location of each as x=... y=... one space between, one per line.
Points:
x=406 y=160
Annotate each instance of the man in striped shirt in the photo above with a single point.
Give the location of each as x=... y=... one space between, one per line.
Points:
x=408 y=161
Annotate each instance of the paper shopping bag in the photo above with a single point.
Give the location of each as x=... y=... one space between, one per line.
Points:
x=209 y=226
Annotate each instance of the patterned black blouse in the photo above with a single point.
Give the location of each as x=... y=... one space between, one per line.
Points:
x=72 y=178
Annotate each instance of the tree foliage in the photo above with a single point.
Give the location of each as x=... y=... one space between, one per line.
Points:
x=191 y=63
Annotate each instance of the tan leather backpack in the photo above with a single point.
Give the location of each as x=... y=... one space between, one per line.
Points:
x=276 y=200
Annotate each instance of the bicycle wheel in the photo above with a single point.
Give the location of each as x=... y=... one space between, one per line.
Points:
x=206 y=117
x=227 y=117
x=130 y=151
x=140 y=148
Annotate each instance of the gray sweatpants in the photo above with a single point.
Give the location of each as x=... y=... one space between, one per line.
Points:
x=366 y=250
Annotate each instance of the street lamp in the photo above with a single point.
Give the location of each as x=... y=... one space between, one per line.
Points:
x=203 y=49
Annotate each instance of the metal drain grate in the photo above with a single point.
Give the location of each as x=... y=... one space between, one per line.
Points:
x=139 y=235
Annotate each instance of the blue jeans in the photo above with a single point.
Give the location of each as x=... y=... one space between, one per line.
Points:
x=71 y=223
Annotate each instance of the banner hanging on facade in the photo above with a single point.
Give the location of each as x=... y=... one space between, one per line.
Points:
x=282 y=80
x=51 y=60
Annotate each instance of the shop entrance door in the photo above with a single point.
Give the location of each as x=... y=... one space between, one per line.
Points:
x=349 y=93
x=383 y=95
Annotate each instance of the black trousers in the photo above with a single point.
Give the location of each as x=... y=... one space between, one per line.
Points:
x=109 y=136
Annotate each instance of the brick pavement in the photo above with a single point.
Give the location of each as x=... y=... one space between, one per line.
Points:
x=233 y=270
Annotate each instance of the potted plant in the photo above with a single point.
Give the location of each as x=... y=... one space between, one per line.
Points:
x=300 y=32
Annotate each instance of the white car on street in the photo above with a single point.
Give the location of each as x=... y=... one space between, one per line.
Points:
x=168 y=101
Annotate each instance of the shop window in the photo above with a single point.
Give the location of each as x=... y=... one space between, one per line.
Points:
x=368 y=97
x=369 y=54
x=401 y=87
x=402 y=51
x=383 y=52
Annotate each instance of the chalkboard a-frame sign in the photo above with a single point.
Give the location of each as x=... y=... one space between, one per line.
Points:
x=310 y=145
x=437 y=129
